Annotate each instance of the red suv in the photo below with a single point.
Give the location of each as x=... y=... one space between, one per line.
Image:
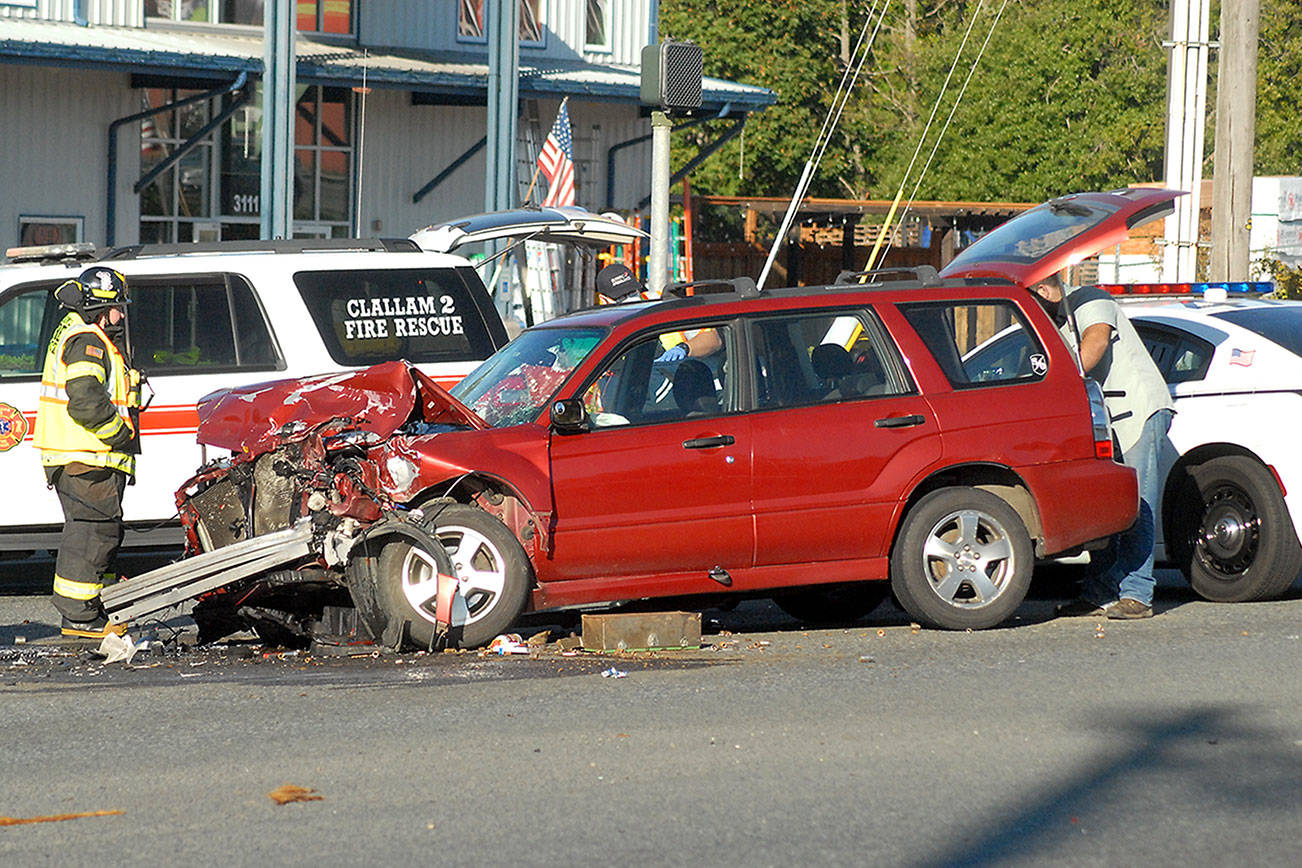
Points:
x=820 y=445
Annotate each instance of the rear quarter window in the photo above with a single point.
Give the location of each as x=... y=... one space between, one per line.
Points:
x=979 y=343
x=417 y=314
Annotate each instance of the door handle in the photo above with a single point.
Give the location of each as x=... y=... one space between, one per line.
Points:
x=900 y=421
x=709 y=442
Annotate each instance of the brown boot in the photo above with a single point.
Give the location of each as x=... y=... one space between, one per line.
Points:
x=1127 y=609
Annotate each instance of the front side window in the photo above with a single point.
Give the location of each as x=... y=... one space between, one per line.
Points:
x=514 y=386
x=823 y=357
x=418 y=314
x=198 y=325
x=666 y=377
x=979 y=343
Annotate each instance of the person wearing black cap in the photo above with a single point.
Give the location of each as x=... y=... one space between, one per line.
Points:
x=88 y=440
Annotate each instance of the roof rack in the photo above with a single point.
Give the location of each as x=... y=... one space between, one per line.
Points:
x=926 y=274
x=743 y=286
x=70 y=253
x=295 y=245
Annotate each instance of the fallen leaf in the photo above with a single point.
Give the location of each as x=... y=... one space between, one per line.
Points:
x=55 y=818
x=287 y=793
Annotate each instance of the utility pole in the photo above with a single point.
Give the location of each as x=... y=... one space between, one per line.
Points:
x=279 y=94
x=1186 y=112
x=1236 y=120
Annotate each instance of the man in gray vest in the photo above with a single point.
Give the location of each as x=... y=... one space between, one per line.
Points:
x=1120 y=581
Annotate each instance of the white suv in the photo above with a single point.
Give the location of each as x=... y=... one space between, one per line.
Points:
x=212 y=316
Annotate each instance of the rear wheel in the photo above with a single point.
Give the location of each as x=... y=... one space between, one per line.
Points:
x=839 y=604
x=1233 y=534
x=962 y=560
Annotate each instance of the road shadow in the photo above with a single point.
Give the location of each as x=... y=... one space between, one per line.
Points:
x=1202 y=754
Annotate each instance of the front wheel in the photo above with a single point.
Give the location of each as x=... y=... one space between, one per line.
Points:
x=493 y=578
x=962 y=560
x=1233 y=533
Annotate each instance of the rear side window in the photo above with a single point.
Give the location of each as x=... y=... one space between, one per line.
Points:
x=1181 y=357
x=198 y=324
x=418 y=314
x=27 y=319
x=818 y=357
x=979 y=343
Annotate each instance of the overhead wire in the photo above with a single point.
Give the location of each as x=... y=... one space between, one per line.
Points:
x=858 y=57
x=890 y=214
x=940 y=137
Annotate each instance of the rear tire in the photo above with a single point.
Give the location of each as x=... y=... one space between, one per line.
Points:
x=962 y=560
x=1233 y=534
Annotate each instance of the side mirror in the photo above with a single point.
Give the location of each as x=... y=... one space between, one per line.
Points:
x=568 y=416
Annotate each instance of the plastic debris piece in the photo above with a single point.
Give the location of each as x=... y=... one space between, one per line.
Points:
x=286 y=793
x=612 y=672
x=55 y=818
x=508 y=643
x=117 y=648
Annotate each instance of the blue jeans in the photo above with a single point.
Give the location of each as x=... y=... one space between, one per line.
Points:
x=1125 y=567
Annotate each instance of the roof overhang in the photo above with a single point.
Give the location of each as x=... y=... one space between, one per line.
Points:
x=204 y=51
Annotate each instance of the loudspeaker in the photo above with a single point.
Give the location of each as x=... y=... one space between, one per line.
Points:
x=671 y=75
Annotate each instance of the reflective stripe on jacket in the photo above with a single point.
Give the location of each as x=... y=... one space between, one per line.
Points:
x=59 y=437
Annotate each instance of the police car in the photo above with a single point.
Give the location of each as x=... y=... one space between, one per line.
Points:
x=1231 y=513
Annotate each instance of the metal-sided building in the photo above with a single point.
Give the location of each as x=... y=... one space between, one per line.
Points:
x=130 y=121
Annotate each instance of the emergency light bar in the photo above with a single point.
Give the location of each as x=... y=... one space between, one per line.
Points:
x=1251 y=287
x=52 y=252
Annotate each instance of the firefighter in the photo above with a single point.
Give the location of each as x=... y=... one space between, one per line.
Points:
x=87 y=434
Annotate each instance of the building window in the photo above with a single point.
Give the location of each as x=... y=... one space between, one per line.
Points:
x=472 y=25
x=314 y=16
x=35 y=230
x=181 y=194
x=322 y=159
x=597 y=25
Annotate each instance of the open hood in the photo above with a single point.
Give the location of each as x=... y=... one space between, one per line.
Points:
x=563 y=225
x=1061 y=232
x=381 y=398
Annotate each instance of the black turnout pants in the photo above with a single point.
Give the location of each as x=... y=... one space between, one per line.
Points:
x=91 y=498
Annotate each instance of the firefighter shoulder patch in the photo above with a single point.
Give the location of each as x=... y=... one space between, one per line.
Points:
x=94 y=352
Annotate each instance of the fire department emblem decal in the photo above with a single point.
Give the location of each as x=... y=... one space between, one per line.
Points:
x=13 y=427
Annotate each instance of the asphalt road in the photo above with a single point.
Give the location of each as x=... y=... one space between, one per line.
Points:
x=1172 y=741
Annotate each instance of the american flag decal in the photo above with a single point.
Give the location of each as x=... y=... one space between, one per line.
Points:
x=1242 y=357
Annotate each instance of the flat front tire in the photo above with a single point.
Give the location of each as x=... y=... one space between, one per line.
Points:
x=962 y=560
x=492 y=571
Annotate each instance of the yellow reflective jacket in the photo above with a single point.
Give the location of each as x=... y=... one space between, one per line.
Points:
x=61 y=439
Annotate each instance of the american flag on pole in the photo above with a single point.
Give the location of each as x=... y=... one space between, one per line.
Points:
x=557 y=160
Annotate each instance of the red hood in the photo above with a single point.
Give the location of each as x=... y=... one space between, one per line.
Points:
x=1061 y=232
x=381 y=398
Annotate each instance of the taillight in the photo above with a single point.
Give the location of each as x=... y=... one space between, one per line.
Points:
x=1100 y=420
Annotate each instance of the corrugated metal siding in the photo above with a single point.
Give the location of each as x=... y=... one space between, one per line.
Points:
x=433 y=27
x=120 y=13
x=52 y=167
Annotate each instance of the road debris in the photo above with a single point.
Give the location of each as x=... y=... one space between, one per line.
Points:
x=507 y=643
x=55 y=818
x=612 y=672
x=287 y=793
x=122 y=648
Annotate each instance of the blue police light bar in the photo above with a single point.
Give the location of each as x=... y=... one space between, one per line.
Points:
x=1244 y=287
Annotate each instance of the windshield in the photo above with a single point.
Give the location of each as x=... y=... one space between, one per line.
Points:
x=1279 y=323
x=515 y=384
x=1034 y=234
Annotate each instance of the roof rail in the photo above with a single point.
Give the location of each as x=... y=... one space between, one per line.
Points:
x=295 y=245
x=70 y=253
x=926 y=274
x=743 y=286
